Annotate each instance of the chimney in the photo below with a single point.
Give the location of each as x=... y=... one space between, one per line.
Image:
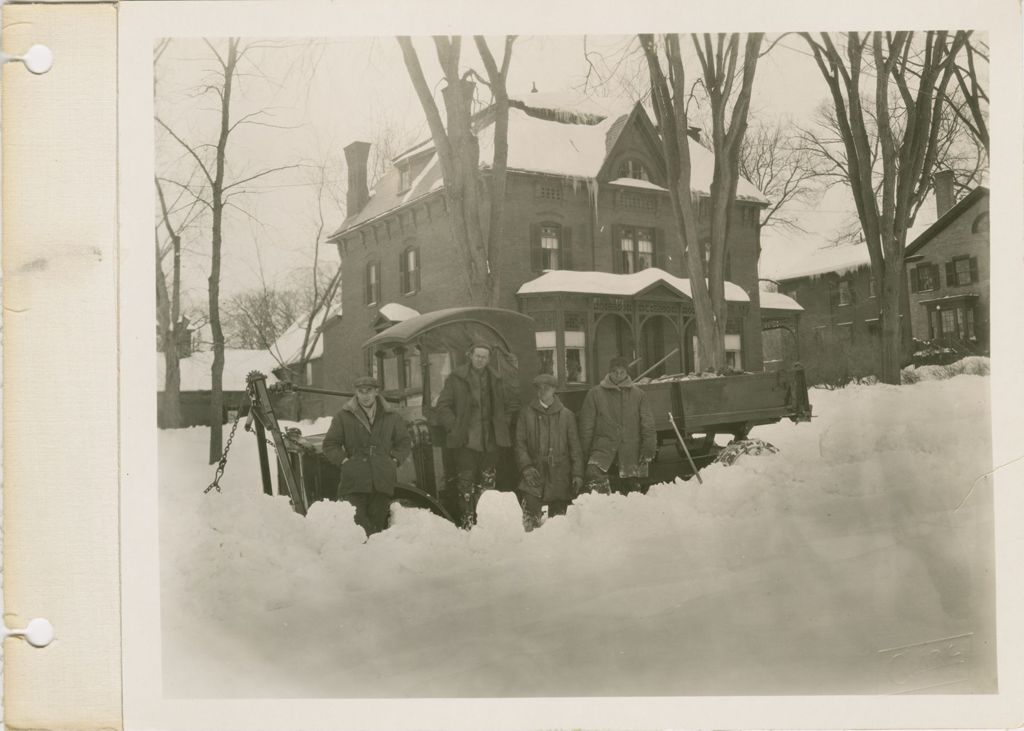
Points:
x=356 y=155
x=944 y=197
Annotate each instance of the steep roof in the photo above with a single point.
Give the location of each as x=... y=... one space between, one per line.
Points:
x=549 y=134
x=965 y=203
x=288 y=346
x=574 y=282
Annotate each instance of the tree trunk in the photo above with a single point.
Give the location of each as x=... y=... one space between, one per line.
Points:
x=889 y=316
x=169 y=406
x=217 y=200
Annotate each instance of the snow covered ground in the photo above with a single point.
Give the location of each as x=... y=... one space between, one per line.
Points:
x=856 y=560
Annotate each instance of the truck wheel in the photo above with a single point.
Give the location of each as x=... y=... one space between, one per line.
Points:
x=736 y=449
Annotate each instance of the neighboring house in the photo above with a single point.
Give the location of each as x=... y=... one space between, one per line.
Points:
x=948 y=266
x=838 y=335
x=585 y=193
x=196 y=380
x=294 y=365
x=948 y=272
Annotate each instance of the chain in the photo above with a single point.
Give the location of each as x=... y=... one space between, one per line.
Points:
x=227 y=448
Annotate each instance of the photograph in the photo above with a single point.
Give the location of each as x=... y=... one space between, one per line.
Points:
x=572 y=366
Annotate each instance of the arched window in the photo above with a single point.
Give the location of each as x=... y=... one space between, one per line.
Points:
x=371 y=283
x=409 y=269
x=633 y=168
x=980 y=225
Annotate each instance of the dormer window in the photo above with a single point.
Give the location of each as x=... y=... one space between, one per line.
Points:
x=404 y=177
x=634 y=169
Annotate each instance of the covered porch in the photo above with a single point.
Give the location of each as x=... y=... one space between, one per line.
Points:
x=586 y=318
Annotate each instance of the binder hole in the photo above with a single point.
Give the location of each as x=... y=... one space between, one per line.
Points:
x=38 y=59
x=39 y=632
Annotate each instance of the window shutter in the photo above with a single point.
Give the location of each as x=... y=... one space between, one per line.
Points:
x=974 y=269
x=950 y=273
x=367 y=297
x=403 y=270
x=565 y=244
x=416 y=273
x=913 y=280
x=536 y=255
x=379 y=289
x=616 y=254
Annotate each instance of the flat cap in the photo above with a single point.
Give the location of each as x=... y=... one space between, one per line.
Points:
x=618 y=362
x=367 y=382
x=545 y=379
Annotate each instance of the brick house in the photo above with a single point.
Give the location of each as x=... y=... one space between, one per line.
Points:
x=947 y=267
x=585 y=193
x=838 y=332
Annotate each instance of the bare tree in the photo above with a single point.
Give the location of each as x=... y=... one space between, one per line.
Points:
x=773 y=158
x=728 y=94
x=475 y=210
x=215 y=193
x=971 y=80
x=889 y=182
x=168 y=309
x=322 y=289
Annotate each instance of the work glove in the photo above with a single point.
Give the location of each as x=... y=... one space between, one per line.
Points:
x=532 y=477
x=577 y=485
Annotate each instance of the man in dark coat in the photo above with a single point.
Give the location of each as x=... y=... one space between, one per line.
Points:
x=617 y=430
x=368 y=440
x=548 y=454
x=474 y=408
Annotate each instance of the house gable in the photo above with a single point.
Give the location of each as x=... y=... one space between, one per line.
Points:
x=635 y=138
x=962 y=207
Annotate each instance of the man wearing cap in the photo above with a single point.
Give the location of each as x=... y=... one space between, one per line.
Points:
x=616 y=430
x=368 y=440
x=548 y=454
x=474 y=407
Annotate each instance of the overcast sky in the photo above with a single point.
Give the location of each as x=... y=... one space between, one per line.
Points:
x=319 y=95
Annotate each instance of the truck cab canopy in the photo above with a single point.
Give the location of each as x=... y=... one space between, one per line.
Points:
x=418 y=353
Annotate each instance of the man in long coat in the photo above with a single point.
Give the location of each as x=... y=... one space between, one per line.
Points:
x=548 y=454
x=474 y=408
x=368 y=440
x=617 y=430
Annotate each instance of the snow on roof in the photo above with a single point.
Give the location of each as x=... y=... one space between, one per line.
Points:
x=617 y=284
x=839 y=259
x=195 y=369
x=634 y=183
x=778 y=301
x=398 y=313
x=574 y=147
x=288 y=346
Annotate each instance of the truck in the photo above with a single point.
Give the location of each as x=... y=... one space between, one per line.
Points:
x=413 y=358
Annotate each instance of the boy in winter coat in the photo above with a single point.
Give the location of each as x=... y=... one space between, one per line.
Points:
x=548 y=454
x=368 y=440
x=617 y=430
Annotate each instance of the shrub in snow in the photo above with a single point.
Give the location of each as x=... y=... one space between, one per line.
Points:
x=974 y=365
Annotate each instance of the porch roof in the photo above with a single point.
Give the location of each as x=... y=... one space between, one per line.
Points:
x=623 y=285
x=779 y=301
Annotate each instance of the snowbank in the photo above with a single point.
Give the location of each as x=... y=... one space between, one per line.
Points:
x=796 y=572
x=974 y=365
